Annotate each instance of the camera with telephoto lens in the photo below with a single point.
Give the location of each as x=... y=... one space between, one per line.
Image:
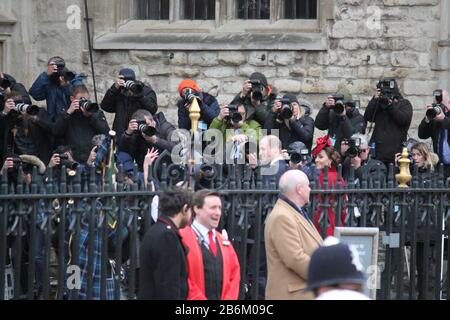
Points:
x=88 y=106
x=388 y=92
x=62 y=71
x=338 y=103
x=286 y=110
x=29 y=109
x=257 y=90
x=65 y=162
x=5 y=83
x=354 y=147
x=146 y=129
x=135 y=87
x=234 y=116
x=296 y=157
x=436 y=107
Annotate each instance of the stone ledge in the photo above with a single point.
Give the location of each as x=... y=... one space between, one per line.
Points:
x=208 y=41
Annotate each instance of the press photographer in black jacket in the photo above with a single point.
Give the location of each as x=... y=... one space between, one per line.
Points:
x=293 y=121
x=146 y=132
x=125 y=97
x=436 y=125
x=392 y=117
x=340 y=116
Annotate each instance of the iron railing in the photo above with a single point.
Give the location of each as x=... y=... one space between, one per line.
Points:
x=51 y=227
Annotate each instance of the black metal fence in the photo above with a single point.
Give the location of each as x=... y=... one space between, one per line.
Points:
x=75 y=238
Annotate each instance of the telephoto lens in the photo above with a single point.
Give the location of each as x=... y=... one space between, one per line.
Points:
x=135 y=87
x=29 y=109
x=146 y=129
x=434 y=111
x=89 y=106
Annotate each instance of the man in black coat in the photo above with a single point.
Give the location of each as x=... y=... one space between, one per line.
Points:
x=77 y=126
x=125 y=97
x=136 y=142
x=437 y=127
x=340 y=125
x=8 y=85
x=392 y=117
x=163 y=273
x=299 y=127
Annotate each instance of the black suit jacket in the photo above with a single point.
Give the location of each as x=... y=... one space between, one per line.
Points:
x=163 y=272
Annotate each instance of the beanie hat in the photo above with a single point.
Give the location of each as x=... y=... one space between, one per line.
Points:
x=259 y=76
x=188 y=83
x=128 y=73
x=291 y=97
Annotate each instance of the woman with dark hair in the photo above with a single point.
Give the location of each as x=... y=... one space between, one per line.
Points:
x=326 y=157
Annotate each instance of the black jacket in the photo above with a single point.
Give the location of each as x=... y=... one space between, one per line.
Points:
x=391 y=127
x=124 y=106
x=5 y=124
x=340 y=127
x=163 y=272
x=137 y=146
x=209 y=109
x=39 y=132
x=367 y=170
x=300 y=130
x=77 y=131
x=432 y=130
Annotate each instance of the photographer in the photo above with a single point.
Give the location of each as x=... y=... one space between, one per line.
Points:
x=357 y=155
x=236 y=128
x=125 y=97
x=436 y=125
x=340 y=116
x=55 y=86
x=146 y=132
x=27 y=129
x=80 y=123
x=299 y=158
x=293 y=121
x=257 y=96
x=392 y=117
x=209 y=107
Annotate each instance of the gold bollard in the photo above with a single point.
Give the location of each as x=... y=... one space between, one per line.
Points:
x=404 y=176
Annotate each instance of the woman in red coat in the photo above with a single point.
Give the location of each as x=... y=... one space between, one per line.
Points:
x=326 y=157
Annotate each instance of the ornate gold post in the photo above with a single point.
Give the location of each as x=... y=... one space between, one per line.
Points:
x=194 y=115
x=404 y=176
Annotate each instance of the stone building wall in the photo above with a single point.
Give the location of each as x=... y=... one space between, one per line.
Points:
x=357 y=54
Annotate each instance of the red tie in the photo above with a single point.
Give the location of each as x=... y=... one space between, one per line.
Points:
x=212 y=244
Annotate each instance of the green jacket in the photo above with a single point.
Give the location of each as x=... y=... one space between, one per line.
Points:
x=252 y=128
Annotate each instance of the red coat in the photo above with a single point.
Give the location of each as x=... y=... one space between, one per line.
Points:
x=332 y=184
x=231 y=276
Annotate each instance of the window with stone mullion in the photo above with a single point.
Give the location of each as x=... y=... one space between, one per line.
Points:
x=253 y=9
x=299 y=9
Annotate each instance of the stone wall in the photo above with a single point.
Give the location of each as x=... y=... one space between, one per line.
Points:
x=359 y=53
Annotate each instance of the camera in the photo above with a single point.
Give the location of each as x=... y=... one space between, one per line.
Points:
x=189 y=95
x=388 y=91
x=23 y=107
x=354 y=147
x=285 y=111
x=5 y=83
x=146 y=129
x=234 y=116
x=338 y=103
x=434 y=111
x=88 y=105
x=136 y=87
x=436 y=107
x=296 y=157
x=257 y=90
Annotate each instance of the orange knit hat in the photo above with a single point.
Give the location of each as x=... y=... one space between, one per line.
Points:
x=188 y=83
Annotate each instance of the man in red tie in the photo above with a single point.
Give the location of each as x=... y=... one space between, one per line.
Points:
x=212 y=263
